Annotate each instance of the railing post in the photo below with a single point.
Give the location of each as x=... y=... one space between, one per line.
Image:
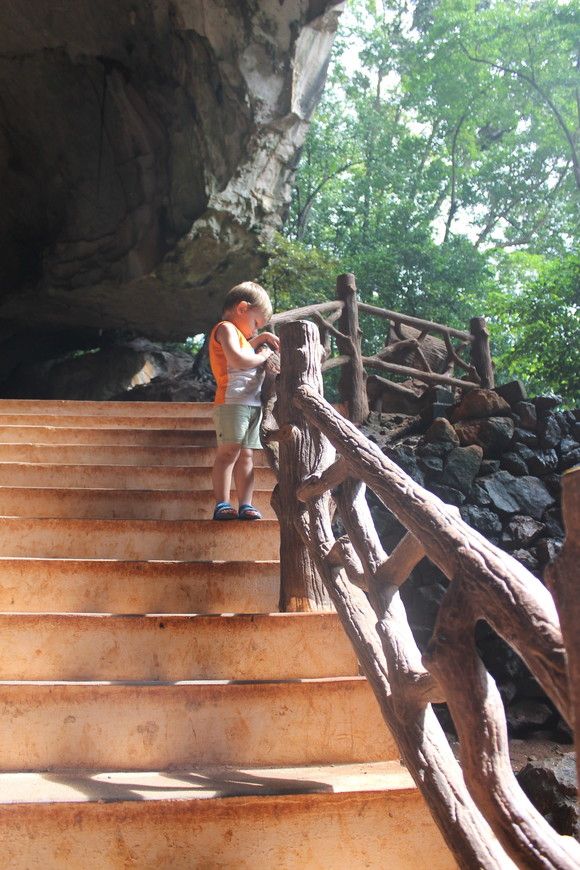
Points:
x=300 y=450
x=352 y=383
x=562 y=580
x=480 y=353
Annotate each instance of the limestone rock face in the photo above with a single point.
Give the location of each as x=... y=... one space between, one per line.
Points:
x=146 y=149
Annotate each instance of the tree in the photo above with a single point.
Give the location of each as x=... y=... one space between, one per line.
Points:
x=537 y=329
x=508 y=78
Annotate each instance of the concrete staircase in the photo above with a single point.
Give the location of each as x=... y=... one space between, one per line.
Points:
x=155 y=709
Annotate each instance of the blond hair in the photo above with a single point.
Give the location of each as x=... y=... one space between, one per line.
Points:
x=252 y=293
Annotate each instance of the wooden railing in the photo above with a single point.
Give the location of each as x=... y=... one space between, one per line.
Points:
x=411 y=349
x=324 y=465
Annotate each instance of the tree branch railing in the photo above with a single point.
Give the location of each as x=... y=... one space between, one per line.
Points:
x=325 y=465
x=407 y=337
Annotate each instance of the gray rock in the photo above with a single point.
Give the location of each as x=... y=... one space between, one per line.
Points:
x=448 y=494
x=522 y=450
x=528 y=560
x=543 y=462
x=513 y=392
x=569 y=460
x=528 y=416
x=551 y=785
x=514 y=463
x=567 y=444
x=517 y=495
x=549 y=432
x=489 y=466
x=407 y=460
x=553 y=483
x=482 y=519
x=547 y=403
x=522 y=436
x=431 y=465
x=493 y=434
x=461 y=467
x=528 y=715
x=524 y=530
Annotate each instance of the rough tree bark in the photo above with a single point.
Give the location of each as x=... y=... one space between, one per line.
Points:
x=562 y=577
x=351 y=385
x=301 y=588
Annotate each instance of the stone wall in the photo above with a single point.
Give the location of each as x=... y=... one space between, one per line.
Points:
x=499 y=457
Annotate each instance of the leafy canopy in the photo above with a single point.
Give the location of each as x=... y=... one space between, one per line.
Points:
x=443 y=156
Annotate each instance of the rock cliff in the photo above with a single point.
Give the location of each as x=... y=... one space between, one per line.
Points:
x=146 y=150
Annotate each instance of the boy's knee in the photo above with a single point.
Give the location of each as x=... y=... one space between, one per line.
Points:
x=228 y=452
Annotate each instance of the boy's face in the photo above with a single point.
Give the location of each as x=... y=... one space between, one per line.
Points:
x=248 y=320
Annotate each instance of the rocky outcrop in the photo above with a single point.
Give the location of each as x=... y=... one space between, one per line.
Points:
x=146 y=151
x=110 y=373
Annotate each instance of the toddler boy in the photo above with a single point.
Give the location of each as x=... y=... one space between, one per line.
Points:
x=237 y=355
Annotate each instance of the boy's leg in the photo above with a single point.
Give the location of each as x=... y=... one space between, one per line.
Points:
x=244 y=475
x=224 y=463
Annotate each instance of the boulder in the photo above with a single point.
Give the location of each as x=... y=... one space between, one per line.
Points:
x=480 y=403
x=492 y=434
x=517 y=495
x=461 y=467
x=523 y=531
x=527 y=414
x=551 y=785
x=440 y=433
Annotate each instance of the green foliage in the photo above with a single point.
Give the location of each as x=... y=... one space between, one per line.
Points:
x=536 y=331
x=298 y=274
x=442 y=169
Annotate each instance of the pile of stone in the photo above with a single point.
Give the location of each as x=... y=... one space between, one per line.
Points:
x=499 y=457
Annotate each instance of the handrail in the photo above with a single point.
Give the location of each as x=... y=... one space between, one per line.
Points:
x=323 y=460
x=347 y=337
x=417 y=322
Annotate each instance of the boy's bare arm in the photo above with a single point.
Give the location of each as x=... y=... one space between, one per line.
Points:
x=236 y=356
x=266 y=338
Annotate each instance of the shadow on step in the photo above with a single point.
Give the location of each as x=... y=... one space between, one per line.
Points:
x=214 y=782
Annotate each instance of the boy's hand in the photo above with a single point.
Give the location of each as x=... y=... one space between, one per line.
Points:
x=265 y=338
x=264 y=350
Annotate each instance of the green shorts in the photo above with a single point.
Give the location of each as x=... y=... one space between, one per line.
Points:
x=238 y=424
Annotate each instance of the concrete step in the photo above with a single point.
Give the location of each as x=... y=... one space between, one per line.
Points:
x=176 y=540
x=323 y=818
x=33 y=474
x=117 y=503
x=98 y=410
x=159 y=726
x=277 y=646
x=107 y=435
x=108 y=421
x=112 y=454
x=119 y=586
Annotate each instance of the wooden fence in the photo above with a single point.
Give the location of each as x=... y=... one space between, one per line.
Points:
x=324 y=465
x=409 y=340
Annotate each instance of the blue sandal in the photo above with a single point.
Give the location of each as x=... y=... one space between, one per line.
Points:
x=249 y=512
x=224 y=511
